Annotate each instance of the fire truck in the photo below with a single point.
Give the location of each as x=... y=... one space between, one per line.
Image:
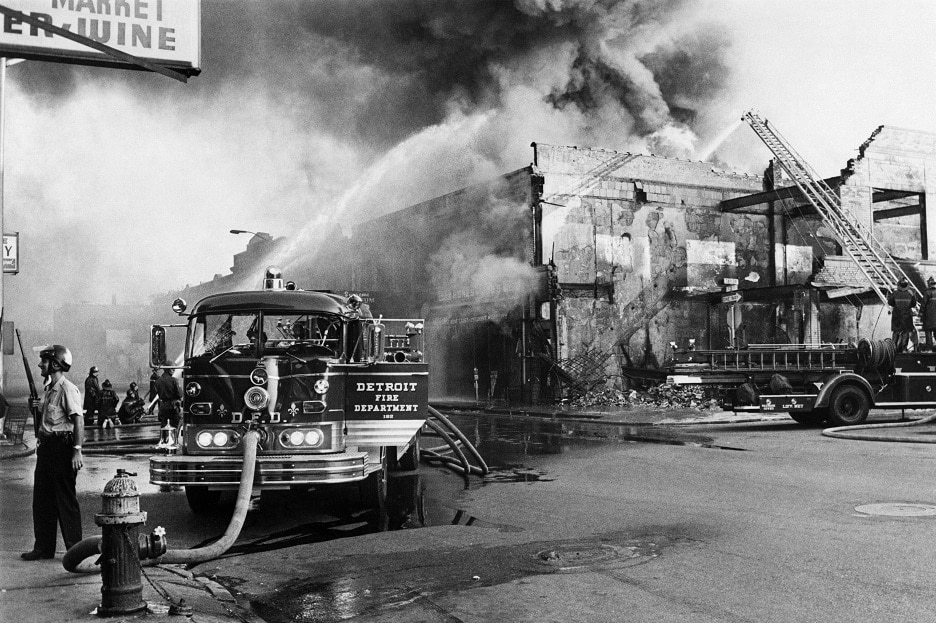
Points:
x=816 y=384
x=336 y=395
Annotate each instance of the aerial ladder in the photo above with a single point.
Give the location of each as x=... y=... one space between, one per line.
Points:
x=876 y=264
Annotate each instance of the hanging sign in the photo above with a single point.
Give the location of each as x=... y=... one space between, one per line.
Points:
x=167 y=32
x=11 y=253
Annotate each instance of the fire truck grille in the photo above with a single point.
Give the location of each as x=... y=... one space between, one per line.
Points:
x=271 y=471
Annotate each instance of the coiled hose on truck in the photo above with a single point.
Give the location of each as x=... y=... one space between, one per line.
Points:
x=91 y=546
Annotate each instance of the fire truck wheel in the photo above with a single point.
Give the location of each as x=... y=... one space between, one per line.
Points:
x=409 y=460
x=201 y=500
x=814 y=418
x=373 y=489
x=849 y=405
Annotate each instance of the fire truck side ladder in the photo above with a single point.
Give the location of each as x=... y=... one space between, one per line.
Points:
x=781 y=359
x=872 y=259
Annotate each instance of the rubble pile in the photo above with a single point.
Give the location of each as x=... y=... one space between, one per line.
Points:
x=659 y=397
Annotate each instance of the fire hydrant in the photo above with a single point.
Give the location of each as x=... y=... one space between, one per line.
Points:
x=122 y=546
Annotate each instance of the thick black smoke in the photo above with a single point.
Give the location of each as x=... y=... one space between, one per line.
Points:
x=310 y=111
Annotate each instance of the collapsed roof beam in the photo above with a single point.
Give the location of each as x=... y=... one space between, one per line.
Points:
x=878 y=194
x=787 y=192
x=880 y=215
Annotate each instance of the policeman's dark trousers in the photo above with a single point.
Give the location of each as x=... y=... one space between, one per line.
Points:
x=54 y=498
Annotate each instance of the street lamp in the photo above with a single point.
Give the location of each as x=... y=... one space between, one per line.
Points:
x=262 y=235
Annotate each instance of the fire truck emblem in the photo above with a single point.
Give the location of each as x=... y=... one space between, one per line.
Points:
x=222 y=411
x=293 y=410
x=192 y=389
x=258 y=376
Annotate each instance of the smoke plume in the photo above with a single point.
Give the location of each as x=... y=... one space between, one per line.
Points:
x=313 y=112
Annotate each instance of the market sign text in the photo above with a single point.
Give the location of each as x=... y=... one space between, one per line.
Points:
x=164 y=31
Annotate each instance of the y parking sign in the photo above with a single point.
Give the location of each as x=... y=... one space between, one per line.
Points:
x=11 y=253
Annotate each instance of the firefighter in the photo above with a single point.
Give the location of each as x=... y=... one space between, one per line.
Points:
x=108 y=402
x=928 y=312
x=131 y=409
x=170 y=405
x=92 y=396
x=903 y=300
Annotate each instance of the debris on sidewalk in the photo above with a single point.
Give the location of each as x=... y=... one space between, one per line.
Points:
x=660 y=396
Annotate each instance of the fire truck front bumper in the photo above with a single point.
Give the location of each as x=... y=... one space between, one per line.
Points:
x=272 y=471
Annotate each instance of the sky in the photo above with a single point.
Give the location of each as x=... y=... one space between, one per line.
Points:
x=124 y=185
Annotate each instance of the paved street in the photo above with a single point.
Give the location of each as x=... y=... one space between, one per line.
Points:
x=753 y=521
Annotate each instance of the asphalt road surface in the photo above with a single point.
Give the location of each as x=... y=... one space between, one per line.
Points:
x=584 y=522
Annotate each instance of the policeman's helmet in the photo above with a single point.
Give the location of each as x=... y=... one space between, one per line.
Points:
x=931 y=281
x=59 y=354
x=903 y=283
x=133 y=385
x=106 y=384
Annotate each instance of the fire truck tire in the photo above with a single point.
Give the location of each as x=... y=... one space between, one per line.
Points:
x=201 y=500
x=409 y=460
x=814 y=418
x=373 y=489
x=848 y=406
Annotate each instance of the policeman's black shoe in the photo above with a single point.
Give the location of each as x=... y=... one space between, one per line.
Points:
x=36 y=555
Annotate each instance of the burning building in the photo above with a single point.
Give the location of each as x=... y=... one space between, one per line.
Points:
x=558 y=276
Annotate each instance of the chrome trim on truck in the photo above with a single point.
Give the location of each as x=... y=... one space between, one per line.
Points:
x=279 y=470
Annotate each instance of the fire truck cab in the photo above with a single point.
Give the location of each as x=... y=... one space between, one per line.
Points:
x=335 y=394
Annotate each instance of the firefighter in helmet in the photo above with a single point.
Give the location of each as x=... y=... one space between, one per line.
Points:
x=903 y=300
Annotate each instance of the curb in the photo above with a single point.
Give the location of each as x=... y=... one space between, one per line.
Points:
x=17 y=454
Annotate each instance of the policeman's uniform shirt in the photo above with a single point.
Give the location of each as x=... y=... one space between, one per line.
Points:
x=61 y=399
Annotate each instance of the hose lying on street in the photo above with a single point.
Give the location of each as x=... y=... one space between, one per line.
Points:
x=459 y=463
x=846 y=432
x=92 y=545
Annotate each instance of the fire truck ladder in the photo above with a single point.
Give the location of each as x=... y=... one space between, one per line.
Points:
x=875 y=263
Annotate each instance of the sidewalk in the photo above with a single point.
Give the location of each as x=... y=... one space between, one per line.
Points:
x=43 y=591
x=633 y=416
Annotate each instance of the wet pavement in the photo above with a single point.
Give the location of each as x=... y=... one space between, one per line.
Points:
x=317 y=557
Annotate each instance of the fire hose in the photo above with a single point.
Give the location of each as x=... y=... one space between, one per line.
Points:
x=459 y=463
x=839 y=432
x=92 y=545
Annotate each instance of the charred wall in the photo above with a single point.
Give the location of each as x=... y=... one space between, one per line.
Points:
x=635 y=239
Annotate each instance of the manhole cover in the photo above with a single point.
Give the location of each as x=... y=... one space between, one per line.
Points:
x=575 y=556
x=898 y=509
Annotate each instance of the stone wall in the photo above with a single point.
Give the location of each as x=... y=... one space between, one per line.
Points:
x=636 y=239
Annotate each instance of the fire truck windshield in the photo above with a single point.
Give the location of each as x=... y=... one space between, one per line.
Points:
x=254 y=334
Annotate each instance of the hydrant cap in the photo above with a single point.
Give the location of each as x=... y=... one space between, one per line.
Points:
x=121 y=486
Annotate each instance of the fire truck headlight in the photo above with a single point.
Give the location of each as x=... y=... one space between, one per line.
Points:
x=204 y=439
x=321 y=386
x=220 y=438
x=302 y=437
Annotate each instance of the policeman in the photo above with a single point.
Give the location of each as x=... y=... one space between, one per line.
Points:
x=58 y=456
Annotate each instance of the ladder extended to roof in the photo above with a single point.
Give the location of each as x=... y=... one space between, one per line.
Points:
x=876 y=264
